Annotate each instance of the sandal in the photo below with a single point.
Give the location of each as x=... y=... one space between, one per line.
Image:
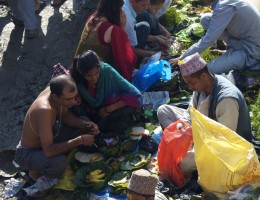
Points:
x=56 y=5
x=16 y=21
x=30 y=34
x=42 y=5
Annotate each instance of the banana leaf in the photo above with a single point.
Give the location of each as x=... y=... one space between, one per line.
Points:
x=97 y=184
x=135 y=161
x=111 y=151
x=80 y=195
x=119 y=182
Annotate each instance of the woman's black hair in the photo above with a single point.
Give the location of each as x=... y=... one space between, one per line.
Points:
x=111 y=10
x=87 y=61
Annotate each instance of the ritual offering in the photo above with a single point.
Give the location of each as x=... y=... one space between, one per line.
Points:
x=93 y=176
x=119 y=182
x=135 y=161
x=111 y=147
x=136 y=133
x=83 y=157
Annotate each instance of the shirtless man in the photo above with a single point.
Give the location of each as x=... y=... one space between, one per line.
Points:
x=36 y=150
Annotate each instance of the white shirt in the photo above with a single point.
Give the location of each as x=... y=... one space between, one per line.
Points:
x=130 y=22
x=227 y=110
x=163 y=10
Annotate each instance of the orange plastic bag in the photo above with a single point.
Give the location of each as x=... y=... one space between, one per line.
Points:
x=173 y=147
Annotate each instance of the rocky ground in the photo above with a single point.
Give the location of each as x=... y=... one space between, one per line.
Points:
x=26 y=65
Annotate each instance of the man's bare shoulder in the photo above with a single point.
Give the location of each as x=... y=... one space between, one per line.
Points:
x=41 y=103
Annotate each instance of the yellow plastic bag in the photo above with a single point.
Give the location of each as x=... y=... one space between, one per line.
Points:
x=224 y=160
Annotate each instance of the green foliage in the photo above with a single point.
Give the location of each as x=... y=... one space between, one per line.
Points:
x=183 y=95
x=172 y=17
x=135 y=161
x=119 y=182
x=208 y=56
x=255 y=116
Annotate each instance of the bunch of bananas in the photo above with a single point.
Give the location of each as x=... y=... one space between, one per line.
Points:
x=95 y=176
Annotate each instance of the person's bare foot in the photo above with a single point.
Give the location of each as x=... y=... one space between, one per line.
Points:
x=34 y=175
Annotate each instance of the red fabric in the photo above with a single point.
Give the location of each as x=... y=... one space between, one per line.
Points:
x=123 y=54
x=173 y=147
x=101 y=32
x=124 y=59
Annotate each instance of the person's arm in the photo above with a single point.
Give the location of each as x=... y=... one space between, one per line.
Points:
x=143 y=53
x=165 y=32
x=71 y=120
x=50 y=149
x=162 y=40
x=218 y=23
x=227 y=113
x=107 y=110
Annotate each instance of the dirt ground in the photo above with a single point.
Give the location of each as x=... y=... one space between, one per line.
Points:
x=26 y=65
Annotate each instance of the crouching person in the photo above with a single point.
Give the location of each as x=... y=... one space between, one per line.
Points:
x=214 y=96
x=37 y=150
x=142 y=186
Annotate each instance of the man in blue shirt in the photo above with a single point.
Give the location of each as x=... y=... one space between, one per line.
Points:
x=139 y=33
x=236 y=22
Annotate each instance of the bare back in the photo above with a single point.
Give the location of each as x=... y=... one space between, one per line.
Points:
x=35 y=120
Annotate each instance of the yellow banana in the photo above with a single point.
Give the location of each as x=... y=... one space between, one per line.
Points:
x=96 y=172
x=98 y=176
x=94 y=158
x=97 y=180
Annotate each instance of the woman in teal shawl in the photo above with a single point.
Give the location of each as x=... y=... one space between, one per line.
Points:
x=111 y=101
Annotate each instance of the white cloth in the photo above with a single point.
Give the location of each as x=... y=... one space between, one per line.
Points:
x=130 y=22
x=163 y=10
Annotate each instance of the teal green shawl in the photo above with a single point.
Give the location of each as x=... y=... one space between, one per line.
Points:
x=110 y=85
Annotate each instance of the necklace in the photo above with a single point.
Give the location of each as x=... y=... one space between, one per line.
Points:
x=57 y=133
x=60 y=114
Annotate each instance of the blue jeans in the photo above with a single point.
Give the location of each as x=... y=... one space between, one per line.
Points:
x=142 y=31
x=24 y=10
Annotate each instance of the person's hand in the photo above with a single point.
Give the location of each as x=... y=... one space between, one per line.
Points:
x=173 y=61
x=166 y=33
x=90 y=128
x=217 y=51
x=87 y=140
x=162 y=40
x=122 y=19
x=103 y=112
x=164 y=54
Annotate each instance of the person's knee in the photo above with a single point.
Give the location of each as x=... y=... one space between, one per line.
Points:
x=143 y=27
x=161 y=111
x=57 y=166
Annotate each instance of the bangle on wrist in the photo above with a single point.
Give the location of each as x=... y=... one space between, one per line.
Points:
x=82 y=139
